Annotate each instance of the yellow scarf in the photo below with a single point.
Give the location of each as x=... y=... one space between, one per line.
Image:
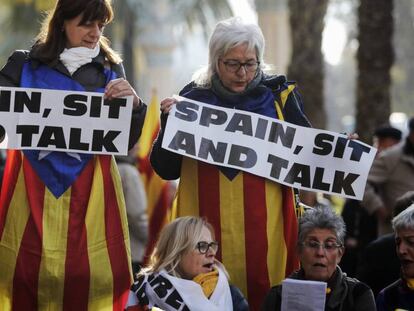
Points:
x=207 y=281
x=410 y=283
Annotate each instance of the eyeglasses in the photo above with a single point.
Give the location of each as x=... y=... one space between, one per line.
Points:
x=234 y=65
x=328 y=246
x=203 y=246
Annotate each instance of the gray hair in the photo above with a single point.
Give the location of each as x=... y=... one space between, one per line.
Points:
x=322 y=217
x=226 y=35
x=176 y=239
x=404 y=220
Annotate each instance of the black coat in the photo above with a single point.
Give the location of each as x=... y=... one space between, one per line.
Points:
x=379 y=264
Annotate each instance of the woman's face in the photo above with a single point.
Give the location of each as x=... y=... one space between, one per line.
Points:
x=404 y=240
x=194 y=263
x=237 y=80
x=320 y=254
x=86 y=35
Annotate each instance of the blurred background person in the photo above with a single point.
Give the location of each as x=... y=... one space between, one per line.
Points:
x=136 y=206
x=320 y=248
x=400 y=294
x=238 y=204
x=391 y=175
x=362 y=226
x=183 y=273
x=379 y=265
x=63 y=230
x=386 y=136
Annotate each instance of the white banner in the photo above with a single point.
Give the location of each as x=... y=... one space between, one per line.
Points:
x=69 y=121
x=300 y=157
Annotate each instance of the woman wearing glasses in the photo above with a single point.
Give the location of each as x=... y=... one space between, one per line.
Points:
x=320 y=248
x=183 y=273
x=254 y=218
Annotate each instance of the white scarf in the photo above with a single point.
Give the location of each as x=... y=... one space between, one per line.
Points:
x=165 y=297
x=73 y=58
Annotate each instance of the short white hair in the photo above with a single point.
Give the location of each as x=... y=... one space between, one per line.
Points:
x=404 y=220
x=226 y=35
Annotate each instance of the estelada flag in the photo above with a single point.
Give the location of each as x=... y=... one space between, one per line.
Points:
x=63 y=233
x=157 y=189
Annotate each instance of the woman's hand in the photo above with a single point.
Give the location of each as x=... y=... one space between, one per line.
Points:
x=166 y=104
x=353 y=136
x=120 y=88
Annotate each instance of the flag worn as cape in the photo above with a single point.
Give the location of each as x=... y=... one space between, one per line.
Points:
x=64 y=242
x=158 y=190
x=254 y=218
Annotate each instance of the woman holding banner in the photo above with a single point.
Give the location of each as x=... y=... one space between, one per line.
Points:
x=63 y=232
x=254 y=218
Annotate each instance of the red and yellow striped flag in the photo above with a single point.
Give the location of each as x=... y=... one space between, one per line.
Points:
x=254 y=219
x=157 y=189
x=63 y=249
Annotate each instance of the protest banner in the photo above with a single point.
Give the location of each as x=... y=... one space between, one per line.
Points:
x=69 y=121
x=304 y=158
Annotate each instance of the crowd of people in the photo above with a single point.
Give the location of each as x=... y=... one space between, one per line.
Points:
x=74 y=227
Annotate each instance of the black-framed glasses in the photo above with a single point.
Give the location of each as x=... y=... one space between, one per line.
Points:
x=234 y=65
x=203 y=246
x=328 y=246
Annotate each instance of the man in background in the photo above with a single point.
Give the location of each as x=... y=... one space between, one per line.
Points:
x=362 y=226
x=391 y=176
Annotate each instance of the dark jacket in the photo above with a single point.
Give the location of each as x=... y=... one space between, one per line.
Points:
x=91 y=76
x=347 y=294
x=396 y=296
x=239 y=302
x=379 y=265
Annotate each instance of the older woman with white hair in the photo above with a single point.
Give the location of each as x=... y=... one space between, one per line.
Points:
x=400 y=294
x=320 y=248
x=254 y=218
x=183 y=273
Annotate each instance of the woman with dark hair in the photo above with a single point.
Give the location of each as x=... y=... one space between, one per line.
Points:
x=63 y=232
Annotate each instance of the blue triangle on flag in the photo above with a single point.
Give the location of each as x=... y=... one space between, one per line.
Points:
x=57 y=170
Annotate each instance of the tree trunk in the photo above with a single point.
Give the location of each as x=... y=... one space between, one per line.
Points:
x=375 y=58
x=128 y=46
x=403 y=68
x=307 y=65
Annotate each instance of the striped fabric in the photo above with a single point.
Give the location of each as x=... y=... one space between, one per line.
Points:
x=68 y=252
x=156 y=188
x=64 y=242
x=254 y=220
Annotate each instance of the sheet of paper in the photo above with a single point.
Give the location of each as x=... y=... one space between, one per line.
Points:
x=299 y=295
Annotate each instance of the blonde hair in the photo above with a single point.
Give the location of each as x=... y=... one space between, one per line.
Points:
x=176 y=239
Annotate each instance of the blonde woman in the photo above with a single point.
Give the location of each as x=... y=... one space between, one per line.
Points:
x=183 y=273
